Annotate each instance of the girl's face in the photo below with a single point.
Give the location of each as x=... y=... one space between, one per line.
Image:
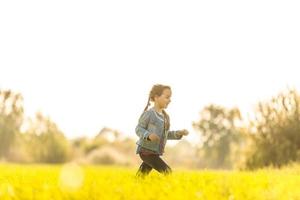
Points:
x=164 y=99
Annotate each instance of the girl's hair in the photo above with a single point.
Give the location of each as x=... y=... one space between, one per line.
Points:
x=157 y=90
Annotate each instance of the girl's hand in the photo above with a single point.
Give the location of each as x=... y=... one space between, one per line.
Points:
x=183 y=132
x=153 y=137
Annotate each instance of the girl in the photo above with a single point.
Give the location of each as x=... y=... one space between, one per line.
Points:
x=153 y=131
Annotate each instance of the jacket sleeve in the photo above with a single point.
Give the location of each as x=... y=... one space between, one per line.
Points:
x=172 y=135
x=141 y=128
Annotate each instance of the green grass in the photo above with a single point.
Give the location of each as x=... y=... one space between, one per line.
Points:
x=91 y=182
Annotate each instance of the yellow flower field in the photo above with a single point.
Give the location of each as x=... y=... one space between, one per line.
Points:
x=90 y=182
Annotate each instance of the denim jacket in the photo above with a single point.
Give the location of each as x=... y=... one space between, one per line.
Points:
x=152 y=122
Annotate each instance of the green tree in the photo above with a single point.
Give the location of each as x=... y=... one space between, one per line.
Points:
x=46 y=143
x=276 y=131
x=219 y=129
x=11 y=118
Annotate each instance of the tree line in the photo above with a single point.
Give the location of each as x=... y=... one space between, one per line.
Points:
x=228 y=139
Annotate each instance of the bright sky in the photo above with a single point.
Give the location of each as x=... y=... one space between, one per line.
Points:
x=89 y=64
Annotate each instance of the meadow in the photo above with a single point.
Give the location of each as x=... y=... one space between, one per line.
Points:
x=72 y=181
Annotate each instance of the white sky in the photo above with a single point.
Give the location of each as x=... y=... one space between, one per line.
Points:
x=89 y=64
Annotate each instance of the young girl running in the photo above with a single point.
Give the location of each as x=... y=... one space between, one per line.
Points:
x=153 y=131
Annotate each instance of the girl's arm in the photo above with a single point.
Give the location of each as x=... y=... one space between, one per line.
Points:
x=141 y=128
x=174 y=135
x=177 y=135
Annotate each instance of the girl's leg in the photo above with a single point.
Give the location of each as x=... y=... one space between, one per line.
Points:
x=154 y=161
x=144 y=169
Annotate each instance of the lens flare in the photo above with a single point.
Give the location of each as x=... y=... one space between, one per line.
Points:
x=71 y=177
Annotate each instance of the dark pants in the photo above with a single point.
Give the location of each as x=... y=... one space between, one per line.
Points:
x=152 y=162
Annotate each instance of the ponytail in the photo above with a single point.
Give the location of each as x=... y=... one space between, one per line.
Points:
x=148 y=104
